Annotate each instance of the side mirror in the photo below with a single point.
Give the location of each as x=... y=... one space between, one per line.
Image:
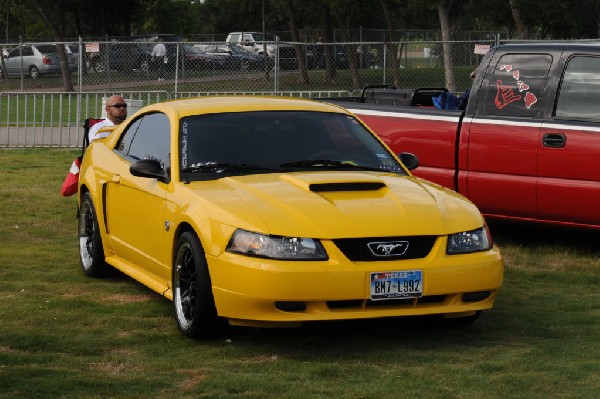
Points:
x=149 y=168
x=409 y=160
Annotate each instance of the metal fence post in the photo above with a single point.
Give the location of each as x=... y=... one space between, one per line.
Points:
x=277 y=65
x=177 y=67
x=21 y=57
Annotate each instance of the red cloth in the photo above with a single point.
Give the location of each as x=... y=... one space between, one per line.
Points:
x=69 y=186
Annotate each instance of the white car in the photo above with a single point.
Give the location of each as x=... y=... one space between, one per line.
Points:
x=33 y=60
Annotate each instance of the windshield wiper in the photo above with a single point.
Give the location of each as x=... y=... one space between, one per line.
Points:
x=328 y=163
x=220 y=167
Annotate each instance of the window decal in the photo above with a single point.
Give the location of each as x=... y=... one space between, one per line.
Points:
x=530 y=99
x=505 y=95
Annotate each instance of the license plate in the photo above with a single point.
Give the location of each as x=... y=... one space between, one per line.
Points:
x=392 y=285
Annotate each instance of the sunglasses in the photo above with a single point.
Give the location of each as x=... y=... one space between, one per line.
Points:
x=118 y=105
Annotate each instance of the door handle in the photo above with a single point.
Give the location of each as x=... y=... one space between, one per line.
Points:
x=554 y=140
x=116 y=179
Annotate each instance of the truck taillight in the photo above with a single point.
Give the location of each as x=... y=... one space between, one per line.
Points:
x=46 y=61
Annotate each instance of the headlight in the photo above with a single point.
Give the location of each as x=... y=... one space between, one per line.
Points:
x=276 y=247
x=469 y=241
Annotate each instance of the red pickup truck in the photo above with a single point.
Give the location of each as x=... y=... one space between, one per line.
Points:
x=527 y=147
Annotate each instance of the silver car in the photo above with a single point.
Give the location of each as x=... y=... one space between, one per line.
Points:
x=34 y=60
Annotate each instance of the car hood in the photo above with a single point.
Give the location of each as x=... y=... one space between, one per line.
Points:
x=337 y=204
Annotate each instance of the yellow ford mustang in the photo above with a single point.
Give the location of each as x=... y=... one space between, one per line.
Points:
x=271 y=212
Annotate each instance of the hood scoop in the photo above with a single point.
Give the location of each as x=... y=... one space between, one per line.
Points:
x=345 y=186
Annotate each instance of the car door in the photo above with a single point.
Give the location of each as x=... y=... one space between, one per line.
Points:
x=18 y=60
x=502 y=142
x=136 y=205
x=569 y=152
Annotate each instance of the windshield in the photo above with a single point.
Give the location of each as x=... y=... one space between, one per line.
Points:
x=191 y=49
x=46 y=48
x=218 y=145
x=259 y=37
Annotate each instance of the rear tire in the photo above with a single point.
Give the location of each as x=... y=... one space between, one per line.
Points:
x=91 y=251
x=34 y=73
x=99 y=67
x=193 y=301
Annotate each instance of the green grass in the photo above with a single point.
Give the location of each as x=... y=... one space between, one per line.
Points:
x=64 y=335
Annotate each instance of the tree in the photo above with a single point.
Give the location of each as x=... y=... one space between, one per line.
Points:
x=390 y=45
x=54 y=16
x=443 y=11
x=516 y=13
x=296 y=39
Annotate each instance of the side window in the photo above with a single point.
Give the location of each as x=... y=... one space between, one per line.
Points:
x=234 y=38
x=148 y=138
x=579 y=93
x=27 y=51
x=14 y=53
x=127 y=137
x=517 y=85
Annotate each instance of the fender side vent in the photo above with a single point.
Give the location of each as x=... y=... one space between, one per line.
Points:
x=323 y=187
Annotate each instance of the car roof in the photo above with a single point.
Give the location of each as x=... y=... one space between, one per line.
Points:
x=221 y=104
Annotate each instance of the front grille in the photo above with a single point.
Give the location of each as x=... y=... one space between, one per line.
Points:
x=400 y=302
x=357 y=249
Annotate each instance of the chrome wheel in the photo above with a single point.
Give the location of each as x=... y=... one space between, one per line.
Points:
x=185 y=287
x=91 y=252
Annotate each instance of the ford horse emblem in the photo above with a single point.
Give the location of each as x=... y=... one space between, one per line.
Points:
x=390 y=248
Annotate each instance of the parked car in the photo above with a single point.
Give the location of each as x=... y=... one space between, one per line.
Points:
x=315 y=56
x=72 y=50
x=120 y=56
x=256 y=43
x=232 y=57
x=272 y=212
x=33 y=60
x=194 y=58
x=534 y=104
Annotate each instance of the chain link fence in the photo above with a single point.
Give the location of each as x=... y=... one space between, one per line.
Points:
x=31 y=74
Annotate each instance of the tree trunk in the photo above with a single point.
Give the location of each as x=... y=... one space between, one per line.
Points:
x=330 y=70
x=267 y=61
x=296 y=39
x=390 y=45
x=352 y=53
x=446 y=46
x=56 y=23
x=516 y=13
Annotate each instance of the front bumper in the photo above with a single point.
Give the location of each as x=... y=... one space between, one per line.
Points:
x=254 y=291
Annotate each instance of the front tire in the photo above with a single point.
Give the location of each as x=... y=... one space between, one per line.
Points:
x=193 y=301
x=91 y=251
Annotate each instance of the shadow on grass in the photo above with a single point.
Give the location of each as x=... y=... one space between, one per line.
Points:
x=585 y=242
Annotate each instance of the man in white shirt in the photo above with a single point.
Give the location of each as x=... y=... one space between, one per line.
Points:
x=116 y=112
x=159 y=52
